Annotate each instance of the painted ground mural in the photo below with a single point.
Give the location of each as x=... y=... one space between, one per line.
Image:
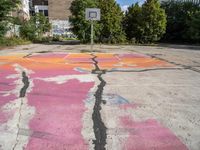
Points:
x=56 y=101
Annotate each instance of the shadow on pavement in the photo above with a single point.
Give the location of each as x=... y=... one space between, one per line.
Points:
x=69 y=42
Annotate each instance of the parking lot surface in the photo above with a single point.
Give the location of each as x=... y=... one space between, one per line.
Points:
x=62 y=97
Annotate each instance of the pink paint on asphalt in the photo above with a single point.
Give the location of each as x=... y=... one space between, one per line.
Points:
x=149 y=135
x=57 y=123
x=6 y=85
x=128 y=106
x=53 y=73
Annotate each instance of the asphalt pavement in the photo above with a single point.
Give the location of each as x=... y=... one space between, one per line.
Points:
x=116 y=97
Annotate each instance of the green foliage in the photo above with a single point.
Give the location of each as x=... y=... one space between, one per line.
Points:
x=154 y=21
x=147 y=23
x=109 y=29
x=42 y=24
x=13 y=41
x=56 y=38
x=81 y=27
x=179 y=15
x=3 y=28
x=27 y=30
x=6 y=6
x=34 y=28
x=193 y=33
x=132 y=23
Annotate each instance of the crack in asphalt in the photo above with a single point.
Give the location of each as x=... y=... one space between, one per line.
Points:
x=26 y=56
x=23 y=90
x=26 y=82
x=98 y=125
x=145 y=70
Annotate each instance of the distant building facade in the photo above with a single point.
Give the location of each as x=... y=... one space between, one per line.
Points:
x=193 y=1
x=25 y=8
x=23 y=11
x=58 y=12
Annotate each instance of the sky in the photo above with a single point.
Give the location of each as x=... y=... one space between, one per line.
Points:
x=126 y=3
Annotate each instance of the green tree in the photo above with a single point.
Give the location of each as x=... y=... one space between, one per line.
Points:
x=132 y=22
x=35 y=27
x=109 y=29
x=42 y=24
x=81 y=27
x=146 y=23
x=111 y=22
x=6 y=6
x=153 y=21
x=193 y=32
x=178 y=15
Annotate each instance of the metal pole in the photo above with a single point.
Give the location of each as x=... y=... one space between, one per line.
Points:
x=92 y=35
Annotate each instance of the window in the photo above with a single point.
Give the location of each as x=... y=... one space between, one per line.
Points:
x=46 y=13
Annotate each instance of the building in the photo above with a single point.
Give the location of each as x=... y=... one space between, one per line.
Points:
x=23 y=11
x=58 y=12
x=193 y=1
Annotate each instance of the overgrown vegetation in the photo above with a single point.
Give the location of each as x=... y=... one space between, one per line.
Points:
x=35 y=28
x=31 y=29
x=6 y=6
x=183 y=21
x=13 y=41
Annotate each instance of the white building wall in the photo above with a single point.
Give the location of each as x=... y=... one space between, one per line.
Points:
x=25 y=6
x=194 y=1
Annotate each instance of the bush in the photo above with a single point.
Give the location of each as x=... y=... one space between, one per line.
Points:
x=34 y=28
x=56 y=38
x=3 y=28
x=27 y=30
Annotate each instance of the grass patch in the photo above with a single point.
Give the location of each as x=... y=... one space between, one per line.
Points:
x=13 y=41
